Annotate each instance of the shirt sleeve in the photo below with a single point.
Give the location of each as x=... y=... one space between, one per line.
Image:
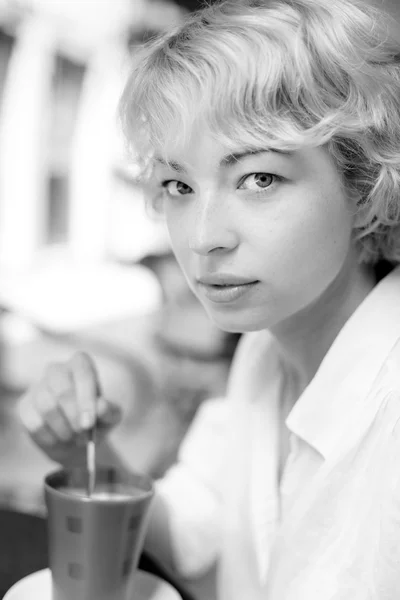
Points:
x=193 y=487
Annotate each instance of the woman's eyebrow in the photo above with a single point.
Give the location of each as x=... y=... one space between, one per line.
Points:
x=234 y=157
x=171 y=164
x=228 y=160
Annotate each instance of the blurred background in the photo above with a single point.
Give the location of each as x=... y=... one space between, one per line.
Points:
x=82 y=264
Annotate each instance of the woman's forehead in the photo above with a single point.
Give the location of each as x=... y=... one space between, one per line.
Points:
x=201 y=145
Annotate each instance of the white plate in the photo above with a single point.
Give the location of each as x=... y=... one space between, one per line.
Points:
x=38 y=587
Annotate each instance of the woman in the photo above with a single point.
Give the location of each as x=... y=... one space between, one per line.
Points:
x=269 y=134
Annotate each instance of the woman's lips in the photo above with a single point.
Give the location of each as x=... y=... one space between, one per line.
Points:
x=225 y=293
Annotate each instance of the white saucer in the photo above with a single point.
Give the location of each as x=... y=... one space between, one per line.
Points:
x=38 y=587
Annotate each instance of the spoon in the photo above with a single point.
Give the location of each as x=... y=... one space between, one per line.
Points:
x=91 y=460
x=90 y=443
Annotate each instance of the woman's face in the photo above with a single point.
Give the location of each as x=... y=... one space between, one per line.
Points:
x=259 y=236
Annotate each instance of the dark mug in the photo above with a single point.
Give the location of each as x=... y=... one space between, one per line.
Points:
x=95 y=542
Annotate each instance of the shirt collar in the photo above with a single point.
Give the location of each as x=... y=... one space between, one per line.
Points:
x=337 y=394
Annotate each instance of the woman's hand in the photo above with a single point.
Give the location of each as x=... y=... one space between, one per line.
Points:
x=67 y=401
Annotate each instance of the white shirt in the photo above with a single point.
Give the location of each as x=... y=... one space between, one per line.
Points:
x=330 y=529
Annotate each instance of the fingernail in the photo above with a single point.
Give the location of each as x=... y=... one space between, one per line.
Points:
x=86 y=420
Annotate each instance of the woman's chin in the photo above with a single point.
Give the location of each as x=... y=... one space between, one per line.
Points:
x=238 y=323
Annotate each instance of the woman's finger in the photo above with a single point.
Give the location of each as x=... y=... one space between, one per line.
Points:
x=86 y=383
x=53 y=416
x=34 y=423
x=60 y=384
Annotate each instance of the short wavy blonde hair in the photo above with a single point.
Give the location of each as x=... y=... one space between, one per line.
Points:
x=283 y=74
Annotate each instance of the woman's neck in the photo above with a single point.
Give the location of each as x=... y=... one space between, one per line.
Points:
x=305 y=338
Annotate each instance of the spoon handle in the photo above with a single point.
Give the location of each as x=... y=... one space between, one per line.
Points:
x=91 y=460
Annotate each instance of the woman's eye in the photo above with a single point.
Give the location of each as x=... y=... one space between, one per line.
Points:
x=176 y=188
x=257 y=181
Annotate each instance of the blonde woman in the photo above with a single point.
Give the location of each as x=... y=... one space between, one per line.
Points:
x=269 y=135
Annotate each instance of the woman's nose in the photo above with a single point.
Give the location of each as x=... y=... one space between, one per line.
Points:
x=212 y=229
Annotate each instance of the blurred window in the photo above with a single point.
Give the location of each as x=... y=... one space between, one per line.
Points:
x=57 y=213
x=67 y=85
x=6 y=46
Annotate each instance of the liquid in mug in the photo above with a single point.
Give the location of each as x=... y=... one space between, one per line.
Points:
x=120 y=493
